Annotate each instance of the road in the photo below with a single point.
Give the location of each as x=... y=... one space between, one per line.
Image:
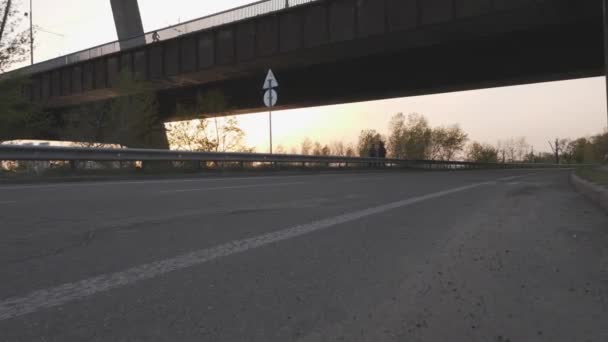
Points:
x=399 y=256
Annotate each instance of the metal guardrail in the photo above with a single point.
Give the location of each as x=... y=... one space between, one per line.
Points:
x=170 y=32
x=46 y=153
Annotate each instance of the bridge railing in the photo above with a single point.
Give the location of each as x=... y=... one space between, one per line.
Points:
x=226 y=17
x=46 y=153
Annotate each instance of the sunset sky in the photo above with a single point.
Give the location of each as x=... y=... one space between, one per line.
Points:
x=539 y=112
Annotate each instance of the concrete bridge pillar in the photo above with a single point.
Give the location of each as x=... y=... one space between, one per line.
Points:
x=127 y=19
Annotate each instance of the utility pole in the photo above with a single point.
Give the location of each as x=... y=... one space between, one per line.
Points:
x=555 y=150
x=533 y=155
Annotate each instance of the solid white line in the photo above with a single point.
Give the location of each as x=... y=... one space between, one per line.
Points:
x=166 y=181
x=52 y=297
x=232 y=187
x=142 y=182
x=507 y=179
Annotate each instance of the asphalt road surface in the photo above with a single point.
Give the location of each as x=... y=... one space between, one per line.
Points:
x=401 y=256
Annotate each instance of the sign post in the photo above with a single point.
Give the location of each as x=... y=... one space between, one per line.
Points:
x=270 y=98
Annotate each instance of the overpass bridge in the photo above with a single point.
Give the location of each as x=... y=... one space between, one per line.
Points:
x=337 y=51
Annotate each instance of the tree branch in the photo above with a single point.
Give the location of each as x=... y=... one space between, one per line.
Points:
x=5 y=18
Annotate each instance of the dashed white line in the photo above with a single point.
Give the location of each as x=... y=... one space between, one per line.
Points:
x=60 y=295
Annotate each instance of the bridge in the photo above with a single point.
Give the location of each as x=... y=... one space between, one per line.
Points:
x=337 y=51
x=468 y=252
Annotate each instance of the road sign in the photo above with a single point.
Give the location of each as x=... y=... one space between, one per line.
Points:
x=271 y=81
x=270 y=98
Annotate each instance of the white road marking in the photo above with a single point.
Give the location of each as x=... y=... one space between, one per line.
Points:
x=142 y=182
x=166 y=181
x=507 y=179
x=232 y=187
x=204 y=180
x=60 y=295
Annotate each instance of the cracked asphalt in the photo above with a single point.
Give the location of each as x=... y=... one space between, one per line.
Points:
x=398 y=256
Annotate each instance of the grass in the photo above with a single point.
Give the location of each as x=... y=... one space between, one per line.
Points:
x=596 y=175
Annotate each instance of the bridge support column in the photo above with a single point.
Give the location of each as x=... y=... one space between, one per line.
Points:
x=127 y=19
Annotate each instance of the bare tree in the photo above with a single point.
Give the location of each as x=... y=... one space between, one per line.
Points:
x=219 y=134
x=350 y=150
x=231 y=136
x=7 y=9
x=18 y=116
x=326 y=151
x=317 y=149
x=191 y=135
x=280 y=150
x=522 y=148
x=200 y=135
x=338 y=148
x=513 y=150
x=14 y=45
x=306 y=147
x=559 y=148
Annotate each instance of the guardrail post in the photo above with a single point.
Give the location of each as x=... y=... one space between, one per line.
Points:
x=74 y=165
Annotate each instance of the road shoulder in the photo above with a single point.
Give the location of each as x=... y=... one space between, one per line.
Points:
x=594 y=192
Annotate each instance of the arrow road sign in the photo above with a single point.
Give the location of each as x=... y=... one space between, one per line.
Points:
x=271 y=81
x=270 y=98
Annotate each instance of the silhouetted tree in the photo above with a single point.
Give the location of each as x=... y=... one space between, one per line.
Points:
x=410 y=137
x=446 y=142
x=368 y=142
x=200 y=135
x=513 y=150
x=306 y=147
x=14 y=42
x=350 y=151
x=317 y=149
x=130 y=119
x=482 y=153
x=325 y=151
x=280 y=150
x=19 y=117
x=337 y=148
x=218 y=134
